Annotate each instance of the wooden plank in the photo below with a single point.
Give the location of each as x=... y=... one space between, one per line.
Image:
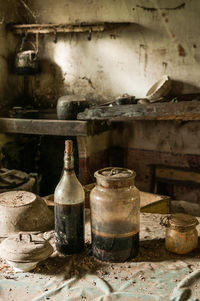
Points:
x=56 y=28
x=66 y=25
x=44 y=127
x=185 y=110
x=154 y=203
x=179 y=175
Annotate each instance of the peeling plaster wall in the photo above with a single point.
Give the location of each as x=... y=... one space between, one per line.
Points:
x=163 y=39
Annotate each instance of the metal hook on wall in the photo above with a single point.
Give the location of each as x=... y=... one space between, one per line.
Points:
x=55 y=36
x=24 y=38
x=90 y=35
x=37 y=42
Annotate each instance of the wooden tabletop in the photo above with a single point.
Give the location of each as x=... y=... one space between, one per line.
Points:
x=44 y=127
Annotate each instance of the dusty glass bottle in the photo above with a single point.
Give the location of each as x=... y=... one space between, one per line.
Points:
x=115 y=215
x=69 y=207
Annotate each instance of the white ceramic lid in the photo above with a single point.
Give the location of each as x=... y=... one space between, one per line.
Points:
x=25 y=247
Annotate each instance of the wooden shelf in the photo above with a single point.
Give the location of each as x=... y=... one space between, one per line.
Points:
x=53 y=127
x=63 y=28
x=44 y=127
x=184 y=110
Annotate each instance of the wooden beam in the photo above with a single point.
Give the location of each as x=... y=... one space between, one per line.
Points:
x=178 y=175
x=44 y=127
x=63 y=28
x=185 y=110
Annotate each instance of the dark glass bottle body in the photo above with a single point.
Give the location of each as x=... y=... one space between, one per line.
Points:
x=69 y=210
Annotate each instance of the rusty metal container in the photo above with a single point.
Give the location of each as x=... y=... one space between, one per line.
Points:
x=181 y=233
x=115 y=215
x=68 y=106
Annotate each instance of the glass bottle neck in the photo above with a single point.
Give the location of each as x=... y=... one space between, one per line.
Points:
x=68 y=162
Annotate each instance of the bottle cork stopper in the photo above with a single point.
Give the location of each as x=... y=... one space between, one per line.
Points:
x=69 y=147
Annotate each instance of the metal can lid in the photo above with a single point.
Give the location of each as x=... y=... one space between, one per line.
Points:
x=115 y=173
x=25 y=247
x=181 y=220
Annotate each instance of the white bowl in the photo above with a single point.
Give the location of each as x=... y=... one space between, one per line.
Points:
x=160 y=89
x=24 y=211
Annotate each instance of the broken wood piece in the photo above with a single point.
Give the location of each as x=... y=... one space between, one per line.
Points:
x=7 y=173
x=185 y=110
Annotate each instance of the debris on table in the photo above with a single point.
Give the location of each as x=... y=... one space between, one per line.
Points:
x=153 y=275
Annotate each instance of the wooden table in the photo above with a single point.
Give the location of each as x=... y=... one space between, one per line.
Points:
x=53 y=127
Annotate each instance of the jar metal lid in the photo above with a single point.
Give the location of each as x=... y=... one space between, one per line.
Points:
x=115 y=173
x=181 y=220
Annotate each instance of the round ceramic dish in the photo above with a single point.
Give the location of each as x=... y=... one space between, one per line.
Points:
x=22 y=266
x=160 y=89
x=24 y=250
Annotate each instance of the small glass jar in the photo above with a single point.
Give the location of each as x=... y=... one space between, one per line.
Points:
x=181 y=234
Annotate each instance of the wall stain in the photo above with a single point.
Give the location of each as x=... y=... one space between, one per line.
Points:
x=173 y=35
x=160 y=51
x=147 y=8
x=3 y=57
x=114 y=36
x=164 y=66
x=89 y=81
x=143 y=55
x=181 y=50
x=182 y=5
